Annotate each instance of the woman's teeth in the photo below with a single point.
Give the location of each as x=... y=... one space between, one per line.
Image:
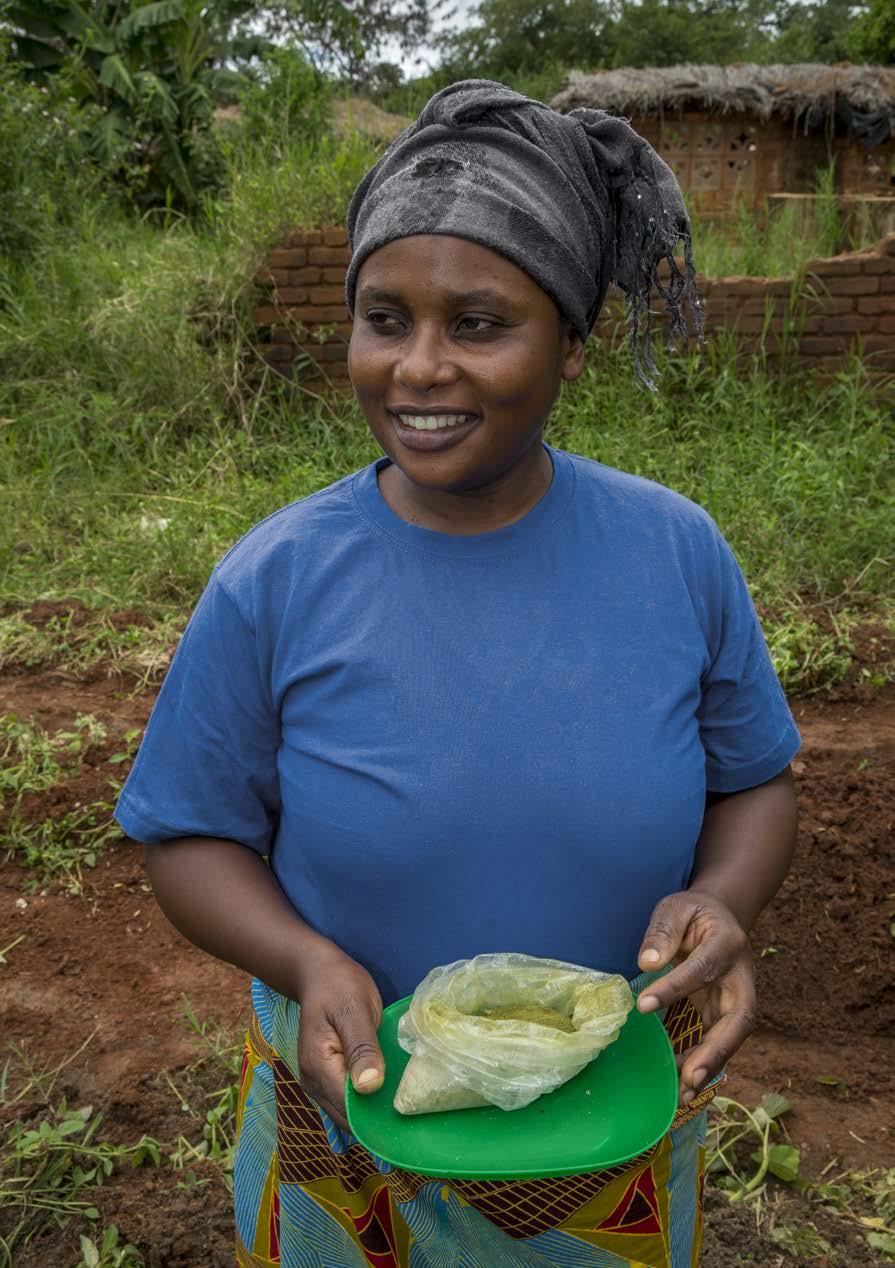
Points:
x=433 y=422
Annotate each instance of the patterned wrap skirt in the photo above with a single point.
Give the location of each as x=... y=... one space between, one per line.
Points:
x=308 y=1195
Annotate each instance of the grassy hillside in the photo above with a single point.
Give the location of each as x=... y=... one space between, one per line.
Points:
x=140 y=433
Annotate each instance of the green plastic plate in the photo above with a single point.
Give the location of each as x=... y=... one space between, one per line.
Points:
x=616 y=1108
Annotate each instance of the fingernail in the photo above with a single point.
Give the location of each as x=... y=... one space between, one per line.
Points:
x=699 y=1077
x=647 y=1003
x=687 y=1097
x=650 y=956
x=367 y=1078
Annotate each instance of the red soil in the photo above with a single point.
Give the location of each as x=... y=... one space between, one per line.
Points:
x=105 y=970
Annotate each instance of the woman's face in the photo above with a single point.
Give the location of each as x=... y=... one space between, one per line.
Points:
x=456 y=357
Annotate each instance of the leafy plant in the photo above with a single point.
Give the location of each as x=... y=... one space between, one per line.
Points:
x=109 y=1252
x=734 y=1127
x=141 y=73
x=32 y=760
x=851 y=1193
x=57 y=849
x=286 y=100
x=806 y=655
x=218 y=1139
x=218 y=1044
x=42 y=176
x=49 y=1172
x=29 y=756
x=802 y=1242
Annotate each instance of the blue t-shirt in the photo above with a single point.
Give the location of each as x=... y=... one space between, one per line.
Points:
x=450 y=745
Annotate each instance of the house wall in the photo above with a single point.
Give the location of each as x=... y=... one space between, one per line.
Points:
x=717 y=156
x=720 y=157
x=843 y=303
x=300 y=314
x=863 y=171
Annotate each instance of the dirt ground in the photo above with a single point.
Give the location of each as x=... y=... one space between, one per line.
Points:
x=103 y=975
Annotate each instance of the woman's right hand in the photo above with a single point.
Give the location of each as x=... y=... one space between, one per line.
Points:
x=341 y=1009
x=194 y=880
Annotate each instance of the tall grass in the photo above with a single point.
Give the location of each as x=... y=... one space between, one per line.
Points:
x=779 y=242
x=120 y=499
x=141 y=434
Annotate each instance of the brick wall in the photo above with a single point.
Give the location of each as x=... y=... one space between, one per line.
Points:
x=841 y=304
x=300 y=313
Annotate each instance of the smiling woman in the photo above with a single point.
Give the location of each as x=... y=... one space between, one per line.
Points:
x=481 y=696
x=457 y=386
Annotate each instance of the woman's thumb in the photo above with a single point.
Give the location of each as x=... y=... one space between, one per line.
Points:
x=667 y=927
x=366 y=1064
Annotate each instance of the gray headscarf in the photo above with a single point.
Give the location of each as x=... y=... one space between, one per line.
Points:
x=576 y=201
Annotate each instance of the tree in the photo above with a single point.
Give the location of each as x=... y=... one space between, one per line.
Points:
x=873 y=35
x=345 y=37
x=141 y=70
x=668 y=32
x=814 y=32
x=513 y=37
x=508 y=38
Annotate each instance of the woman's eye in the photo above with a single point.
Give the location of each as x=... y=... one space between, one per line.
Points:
x=386 y=322
x=475 y=325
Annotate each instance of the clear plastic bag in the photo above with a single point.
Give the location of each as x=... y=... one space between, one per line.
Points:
x=460 y=1057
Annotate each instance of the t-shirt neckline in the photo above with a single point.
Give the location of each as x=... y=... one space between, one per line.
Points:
x=545 y=512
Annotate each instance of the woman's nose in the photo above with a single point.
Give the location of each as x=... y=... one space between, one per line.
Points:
x=423 y=361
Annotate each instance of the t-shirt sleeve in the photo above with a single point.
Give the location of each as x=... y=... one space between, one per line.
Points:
x=747 y=730
x=207 y=765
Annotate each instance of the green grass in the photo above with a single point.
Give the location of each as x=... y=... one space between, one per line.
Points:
x=781 y=242
x=141 y=434
x=50 y=1170
x=53 y=849
x=798 y=477
x=121 y=644
x=55 y=1159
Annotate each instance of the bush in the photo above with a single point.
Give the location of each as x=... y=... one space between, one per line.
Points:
x=43 y=172
x=285 y=101
x=143 y=74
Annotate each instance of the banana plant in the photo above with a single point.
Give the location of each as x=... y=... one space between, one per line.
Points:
x=145 y=67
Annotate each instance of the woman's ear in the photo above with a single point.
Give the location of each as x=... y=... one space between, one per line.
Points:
x=573 y=354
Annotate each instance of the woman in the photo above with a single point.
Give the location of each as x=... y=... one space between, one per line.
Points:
x=480 y=696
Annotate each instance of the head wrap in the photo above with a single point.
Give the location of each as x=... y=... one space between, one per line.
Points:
x=576 y=201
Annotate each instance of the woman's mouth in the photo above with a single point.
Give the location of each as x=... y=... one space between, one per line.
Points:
x=431 y=431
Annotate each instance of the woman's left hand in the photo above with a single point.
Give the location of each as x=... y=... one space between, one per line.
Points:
x=715 y=970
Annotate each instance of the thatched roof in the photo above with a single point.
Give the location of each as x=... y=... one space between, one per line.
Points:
x=805 y=90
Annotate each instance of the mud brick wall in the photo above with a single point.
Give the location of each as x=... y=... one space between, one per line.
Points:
x=720 y=159
x=300 y=311
x=841 y=304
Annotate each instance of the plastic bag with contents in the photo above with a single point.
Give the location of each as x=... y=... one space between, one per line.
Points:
x=503 y=1029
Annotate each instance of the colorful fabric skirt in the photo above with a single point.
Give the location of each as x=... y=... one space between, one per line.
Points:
x=308 y=1194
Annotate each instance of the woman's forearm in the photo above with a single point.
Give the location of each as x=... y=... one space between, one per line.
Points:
x=223 y=897
x=746 y=846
